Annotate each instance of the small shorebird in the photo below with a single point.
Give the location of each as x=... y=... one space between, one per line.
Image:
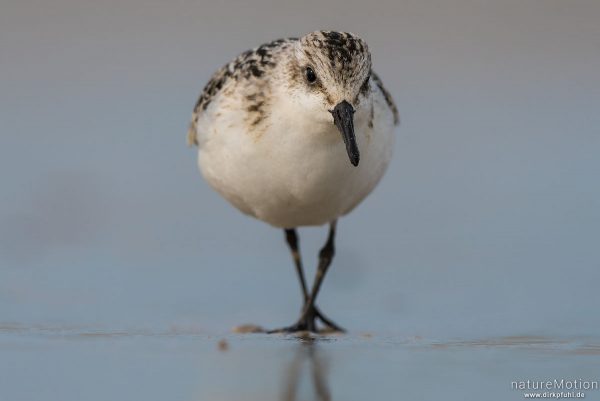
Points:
x=297 y=132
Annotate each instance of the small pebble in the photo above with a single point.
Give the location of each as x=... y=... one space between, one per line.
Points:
x=248 y=328
x=223 y=345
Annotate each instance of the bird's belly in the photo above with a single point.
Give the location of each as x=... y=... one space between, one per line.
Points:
x=290 y=183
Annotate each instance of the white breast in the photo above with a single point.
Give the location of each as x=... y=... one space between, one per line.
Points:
x=294 y=172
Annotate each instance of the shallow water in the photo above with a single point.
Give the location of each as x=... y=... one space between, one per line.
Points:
x=86 y=363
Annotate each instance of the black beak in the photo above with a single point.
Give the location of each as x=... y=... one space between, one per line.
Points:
x=343 y=118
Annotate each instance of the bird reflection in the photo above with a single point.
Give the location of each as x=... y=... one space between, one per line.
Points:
x=307 y=353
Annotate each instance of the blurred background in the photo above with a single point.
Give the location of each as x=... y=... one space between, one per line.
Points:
x=486 y=224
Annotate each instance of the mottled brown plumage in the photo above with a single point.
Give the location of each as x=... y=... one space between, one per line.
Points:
x=342 y=51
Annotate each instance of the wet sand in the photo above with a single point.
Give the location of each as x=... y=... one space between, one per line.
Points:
x=90 y=363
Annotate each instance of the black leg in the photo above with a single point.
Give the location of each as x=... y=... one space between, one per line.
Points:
x=325 y=257
x=292 y=240
x=310 y=312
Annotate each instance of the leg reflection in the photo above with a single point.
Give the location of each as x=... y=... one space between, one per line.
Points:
x=307 y=353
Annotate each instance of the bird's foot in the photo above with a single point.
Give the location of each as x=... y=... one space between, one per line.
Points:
x=308 y=323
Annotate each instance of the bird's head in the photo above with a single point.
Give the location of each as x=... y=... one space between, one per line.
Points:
x=329 y=75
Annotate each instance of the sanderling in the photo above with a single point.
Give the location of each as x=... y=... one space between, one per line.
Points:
x=275 y=128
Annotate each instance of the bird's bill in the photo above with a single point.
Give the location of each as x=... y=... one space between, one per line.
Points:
x=343 y=118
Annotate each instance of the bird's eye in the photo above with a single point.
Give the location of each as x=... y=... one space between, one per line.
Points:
x=311 y=77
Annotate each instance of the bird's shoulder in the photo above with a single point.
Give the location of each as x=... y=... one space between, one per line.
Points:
x=387 y=96
x=250 y=65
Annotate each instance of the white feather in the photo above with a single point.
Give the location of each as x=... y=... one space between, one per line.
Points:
x=294 y=171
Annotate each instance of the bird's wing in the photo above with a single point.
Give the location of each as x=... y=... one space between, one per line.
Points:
x=387 y=96
x=213 y=86
x=249 y=65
